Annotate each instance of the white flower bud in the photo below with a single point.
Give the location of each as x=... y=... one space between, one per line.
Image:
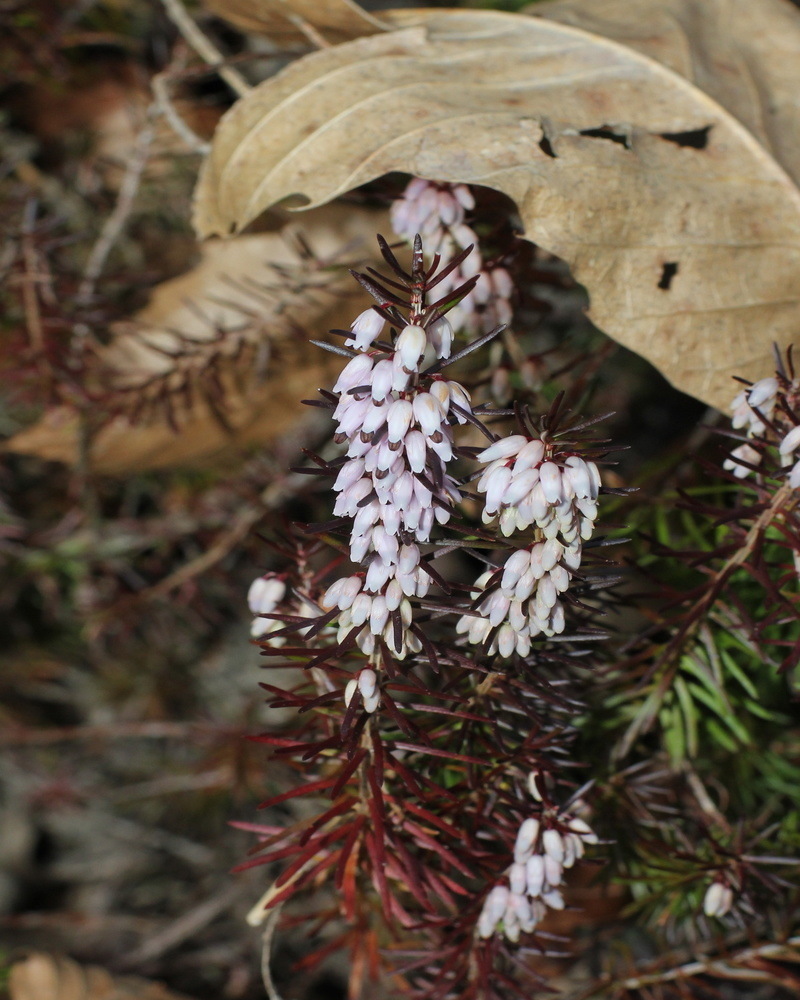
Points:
x=496 y=903
x=762 y=391
x=502 y=449
x=496 y=486
x=580 y=477
x=428 y=413
x=517 y=878
x=349 y=473
x=367 y=681
x=534 y=870
x=377 y=574
x=530 y=456
x=521 y=484
x=265 y=594
x=399 y=419
x=360 y=609
x=553 y=845
x=355 y=372
x=378 y=615
x=371 y=702
x=349 y=691
x=526 y=838
x=550 y=481
x=552 y=871
x=584 y=831
x=366 y=327
x=789 y=444
x=441 y=337
x=718 y=900
x=410 y=346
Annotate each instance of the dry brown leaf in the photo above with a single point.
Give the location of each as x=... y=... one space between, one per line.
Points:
x=283 y=20
x=259 y=291
x=51 y=977
x=743 y=53
x=690 y=255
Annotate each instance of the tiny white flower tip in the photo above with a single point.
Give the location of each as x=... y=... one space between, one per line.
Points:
x=526 y=838
x=355 y=372
x=265 y=594
x=790 y=444
x=518 y=878
x=366 y=327
x=411 y=345
x=441 y=337
x=349 y=691
x=553 y=845
x=552 y=871
x=496 y=902
x=550 y=481
x=584 y=831
x=534 y=869
x=763 y=390
x=399 y=419
x=533 y=787
x=371 y=702
x=504 y=448
x=718 y=900
x=427 y=413
x=794 y=476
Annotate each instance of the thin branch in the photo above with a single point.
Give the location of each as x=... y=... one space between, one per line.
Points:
x=160 y=85
x=115 y=223
x=204 y=47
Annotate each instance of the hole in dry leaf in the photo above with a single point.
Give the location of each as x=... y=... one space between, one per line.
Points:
x=607 y=132
x=695 y=138
x=668 y=272
x=547 y=147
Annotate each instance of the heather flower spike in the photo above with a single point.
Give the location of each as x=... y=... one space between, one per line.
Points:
x=397 y=424
x=385 y=622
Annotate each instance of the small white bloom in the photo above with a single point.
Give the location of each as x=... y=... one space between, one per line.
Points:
x=535 y=874
x=718 y=900
x=526 y=838
x=410 y=346
x=366 y=327
x=399 y=419
x=265 y=594
x=502 y=449
x=553 y=845
x=441 y=337
x=355 y=372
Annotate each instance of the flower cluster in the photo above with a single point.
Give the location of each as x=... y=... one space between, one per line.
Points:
x=753 y=407
x=437 y=212
x=750 y=407
x=394 y=484
x=546 y=845
x=529 y=483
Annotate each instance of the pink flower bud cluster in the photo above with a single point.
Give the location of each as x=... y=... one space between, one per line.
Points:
x=749 y=406
x=544 y=848
x=526 y=484
x=394 y=485
x=436 y=211
x=718 y=899
x=263 y=597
